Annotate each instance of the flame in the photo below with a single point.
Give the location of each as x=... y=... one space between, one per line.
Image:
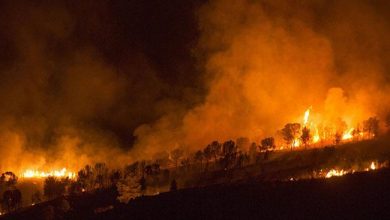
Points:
x=348 y=135
x=372 y=166
x=296 y=143
x=335 y=172
x=316 y=136
x=306 y=116
x=30 y=173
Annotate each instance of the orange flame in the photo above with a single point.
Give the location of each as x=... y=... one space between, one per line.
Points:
x=30 y=173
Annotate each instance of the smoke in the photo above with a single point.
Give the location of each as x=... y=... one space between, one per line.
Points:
x=64 y=101
x=80 y=82
x=266 y=62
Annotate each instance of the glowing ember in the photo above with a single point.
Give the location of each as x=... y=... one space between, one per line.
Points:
x=41 y=174
x=334 y=172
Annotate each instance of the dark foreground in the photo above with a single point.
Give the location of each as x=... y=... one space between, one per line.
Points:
x=357 y=196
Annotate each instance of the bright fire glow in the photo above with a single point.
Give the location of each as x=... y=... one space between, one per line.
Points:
x=348 y=135
x=372 y=166
x=30 y=173
x=334 y=172
x=316 y=136
x=306 y=116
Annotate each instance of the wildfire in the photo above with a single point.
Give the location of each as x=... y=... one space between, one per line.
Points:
x=372 y=166
x=348 y=135
x=30 y=173
x=316 y=136
x=306 y=116
x=334 y=172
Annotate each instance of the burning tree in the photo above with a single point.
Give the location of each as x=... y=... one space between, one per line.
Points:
x=291 y=133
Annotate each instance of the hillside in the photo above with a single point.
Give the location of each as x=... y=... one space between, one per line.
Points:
x=261 y=190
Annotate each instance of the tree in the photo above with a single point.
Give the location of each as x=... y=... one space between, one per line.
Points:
x=268 y=143
x=291 y=133
x=229 y=150
x=12 y=199
x=305 y=137
x=86 y=177
x=128 y=188
x=115 y=176
x=229 y=147
x=54 y=187
x=243 y=143
x=142 y=183
x=132 y=169
x=337 y=138
x=101 y=175
x=208 y=154
x=215 y=149
x=176 y=155
x=371 y=127
x=198 y=157
x=9 y=178
x=252 y=152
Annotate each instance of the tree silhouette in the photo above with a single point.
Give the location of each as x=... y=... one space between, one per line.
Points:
x=54 y=187
x=198 y=157
x=229 y=147
x=12 y=199
x=268 y=143
x=215 y=149
x=305 y=137
x=176 y=155
x=208 y=154
x=142 y=183
x=252 y=152
x=337 y=138
x=371 y=126
x=101 y=175
x=86 y=177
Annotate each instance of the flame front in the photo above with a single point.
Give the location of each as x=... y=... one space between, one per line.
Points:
x=334 y=172
x=306 y=116
x=30 y=173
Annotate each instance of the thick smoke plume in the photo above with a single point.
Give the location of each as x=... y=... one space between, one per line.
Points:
x=80 y=82
x=65 y=100
x=266 y=62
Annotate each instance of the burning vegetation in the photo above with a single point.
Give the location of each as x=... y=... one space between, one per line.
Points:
x=284 y=93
